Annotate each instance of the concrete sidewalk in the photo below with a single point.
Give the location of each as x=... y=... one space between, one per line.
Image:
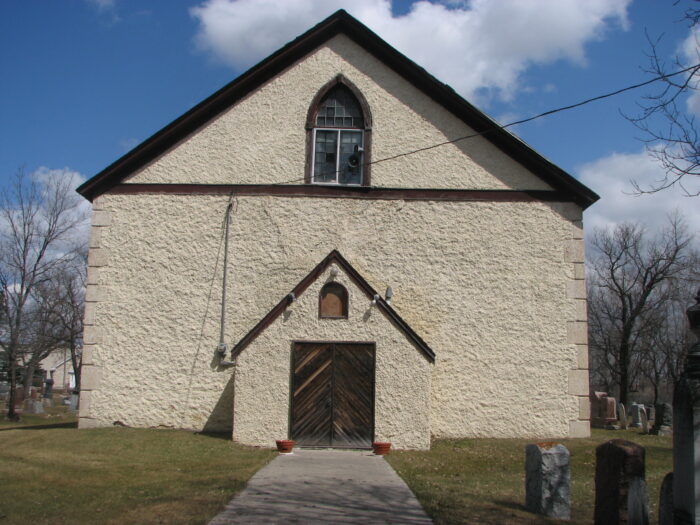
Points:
x=325 y=486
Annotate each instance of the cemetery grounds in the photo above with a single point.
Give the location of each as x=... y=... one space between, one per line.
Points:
x=53 y=473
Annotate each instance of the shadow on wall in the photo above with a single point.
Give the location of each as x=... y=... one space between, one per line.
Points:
x=221 y=417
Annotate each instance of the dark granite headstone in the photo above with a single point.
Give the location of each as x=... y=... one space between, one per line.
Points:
x=651 y=413
x=666 y=500
x=620 y=485
x=664 y=420
x=48 y=388
x=686 y=450
x=548 y=480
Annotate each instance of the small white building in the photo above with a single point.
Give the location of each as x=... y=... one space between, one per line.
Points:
x=59 y=367
x=322 y=156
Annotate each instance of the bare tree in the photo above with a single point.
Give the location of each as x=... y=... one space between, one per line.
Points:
x=667 y=337
x=670 y=130
x=629 y=288
x=37 y=218
x=61 y=302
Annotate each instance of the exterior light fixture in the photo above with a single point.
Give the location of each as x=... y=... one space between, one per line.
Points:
x=389 y=294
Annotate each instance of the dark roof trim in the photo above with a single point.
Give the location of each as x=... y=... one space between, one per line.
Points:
x=334 y=257
x=339 y=22
x=344 y=192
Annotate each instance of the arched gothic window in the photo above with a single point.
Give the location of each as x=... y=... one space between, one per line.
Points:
x=333 y=301
x=339 y=132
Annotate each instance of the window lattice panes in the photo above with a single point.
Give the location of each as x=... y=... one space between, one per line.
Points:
x=339 y=109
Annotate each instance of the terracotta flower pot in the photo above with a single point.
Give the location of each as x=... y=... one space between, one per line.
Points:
x=381 y=448
x=284 y=446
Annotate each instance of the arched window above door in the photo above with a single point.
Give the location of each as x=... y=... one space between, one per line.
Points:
x=333 y=301
x=338 y=136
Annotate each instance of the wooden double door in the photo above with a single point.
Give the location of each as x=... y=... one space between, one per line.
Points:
x=333 y=394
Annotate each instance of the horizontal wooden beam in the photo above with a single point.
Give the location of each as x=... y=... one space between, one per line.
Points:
x=344 y=192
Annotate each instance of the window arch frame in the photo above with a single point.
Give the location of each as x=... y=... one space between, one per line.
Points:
x=311 y=125
x=345 y=301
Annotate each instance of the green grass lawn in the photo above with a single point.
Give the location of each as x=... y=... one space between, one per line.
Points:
x=57 y=417
x=53 y=473
x=117 y=475
x=483 y=480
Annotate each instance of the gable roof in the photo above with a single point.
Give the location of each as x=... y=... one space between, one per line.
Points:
x=362 y=284
x=338 y=22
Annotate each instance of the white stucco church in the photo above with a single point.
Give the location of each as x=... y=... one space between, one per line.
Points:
x=376 y=288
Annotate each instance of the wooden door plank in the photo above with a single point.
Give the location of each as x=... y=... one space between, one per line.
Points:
x=312 y=394
x=353 y=395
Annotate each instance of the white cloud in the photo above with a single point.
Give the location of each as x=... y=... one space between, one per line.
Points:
x=129 y=144
x=102 y=5
x=690 y=51
x=610 y=177
x=477 y=45
x=106 y=9
x=72 y=179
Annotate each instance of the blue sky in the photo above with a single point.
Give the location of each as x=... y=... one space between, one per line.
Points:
x=84 y=81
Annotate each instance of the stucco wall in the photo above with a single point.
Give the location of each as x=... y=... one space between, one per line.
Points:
x=496 y=290
x=262 y=139
x=402 y=375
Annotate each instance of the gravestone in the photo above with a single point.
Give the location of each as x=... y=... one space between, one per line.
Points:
x=623 y=417
x=651 y=414
x=597 y=419
x=666 y=500
x=637 y=415
x=686 y=431
x=33 y=406
x=603 y=411
x=645 y=422
x=664 y=420
x=620 y=486
x=611 y=418
x=548 y=480
x=74 y=399
x=48 y=388
x=19 y=396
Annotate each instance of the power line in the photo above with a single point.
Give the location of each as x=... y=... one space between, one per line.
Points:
x=693 y=68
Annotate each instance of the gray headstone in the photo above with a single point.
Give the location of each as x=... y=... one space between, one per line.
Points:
x=637 y=503
x=620 y=486
x=548 y=480
x=73 y=402
x=645 y=422
x=623 y=417
x=636 y=415
x=666 y=500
